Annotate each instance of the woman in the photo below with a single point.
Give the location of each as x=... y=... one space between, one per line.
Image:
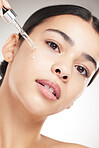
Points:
x=38 y=83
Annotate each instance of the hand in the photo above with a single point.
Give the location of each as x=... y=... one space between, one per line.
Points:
x=5 y=4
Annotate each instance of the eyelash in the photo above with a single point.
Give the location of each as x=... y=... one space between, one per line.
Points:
x=81 y=69
x=53 y=45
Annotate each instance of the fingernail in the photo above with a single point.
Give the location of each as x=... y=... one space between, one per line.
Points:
x=1 y=13
x=7 y=4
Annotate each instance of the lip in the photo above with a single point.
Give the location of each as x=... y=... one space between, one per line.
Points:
x=46 y=92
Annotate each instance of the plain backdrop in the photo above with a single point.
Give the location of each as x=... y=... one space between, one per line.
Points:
x=80 y=124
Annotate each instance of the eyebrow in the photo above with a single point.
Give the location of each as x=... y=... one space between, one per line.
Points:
x=90 y=58
x=72 y=43
x=65 y=36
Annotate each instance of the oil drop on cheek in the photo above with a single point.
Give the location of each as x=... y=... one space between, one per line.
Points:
x=33 y=57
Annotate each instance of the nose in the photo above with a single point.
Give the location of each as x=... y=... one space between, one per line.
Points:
x=61 y=73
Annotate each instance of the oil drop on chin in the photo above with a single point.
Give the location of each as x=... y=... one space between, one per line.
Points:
x=9 y=16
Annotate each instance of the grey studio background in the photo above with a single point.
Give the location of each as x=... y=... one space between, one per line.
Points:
x=80 y=124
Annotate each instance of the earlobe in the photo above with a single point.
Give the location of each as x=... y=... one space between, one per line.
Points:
x=10 y=48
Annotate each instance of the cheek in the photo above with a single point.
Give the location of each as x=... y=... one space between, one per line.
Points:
x=20 y=74
x=76 y=87
x=41 y=63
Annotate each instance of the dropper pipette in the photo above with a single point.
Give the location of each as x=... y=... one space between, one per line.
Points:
x=9 y=16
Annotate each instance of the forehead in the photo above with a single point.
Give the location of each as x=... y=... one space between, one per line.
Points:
x=82 y=32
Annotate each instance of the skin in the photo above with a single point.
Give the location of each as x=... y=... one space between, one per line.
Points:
x=23 y=108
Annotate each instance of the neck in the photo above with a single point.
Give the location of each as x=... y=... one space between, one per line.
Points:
x=18 y=127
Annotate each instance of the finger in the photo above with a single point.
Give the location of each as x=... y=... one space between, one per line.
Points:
x=1 y=3
x=6 y=4
x=1 y=13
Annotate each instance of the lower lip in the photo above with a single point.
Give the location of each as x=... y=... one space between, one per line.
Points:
x=46 y=92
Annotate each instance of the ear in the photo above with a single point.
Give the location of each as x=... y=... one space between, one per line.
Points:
x=10 y=47
x=68 y=107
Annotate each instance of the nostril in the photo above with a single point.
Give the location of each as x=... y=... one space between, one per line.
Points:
x=57 y=71
x=65 y=77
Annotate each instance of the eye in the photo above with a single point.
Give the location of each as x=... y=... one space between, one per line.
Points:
x=53 y=45
x=83 y=71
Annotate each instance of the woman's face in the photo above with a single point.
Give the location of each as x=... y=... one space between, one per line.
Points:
x=62 y=64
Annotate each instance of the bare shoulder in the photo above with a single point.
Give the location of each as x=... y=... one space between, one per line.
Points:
x=51 y=143
x=72 y=145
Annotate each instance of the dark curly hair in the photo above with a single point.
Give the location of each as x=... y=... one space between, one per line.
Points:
x=44 y=13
